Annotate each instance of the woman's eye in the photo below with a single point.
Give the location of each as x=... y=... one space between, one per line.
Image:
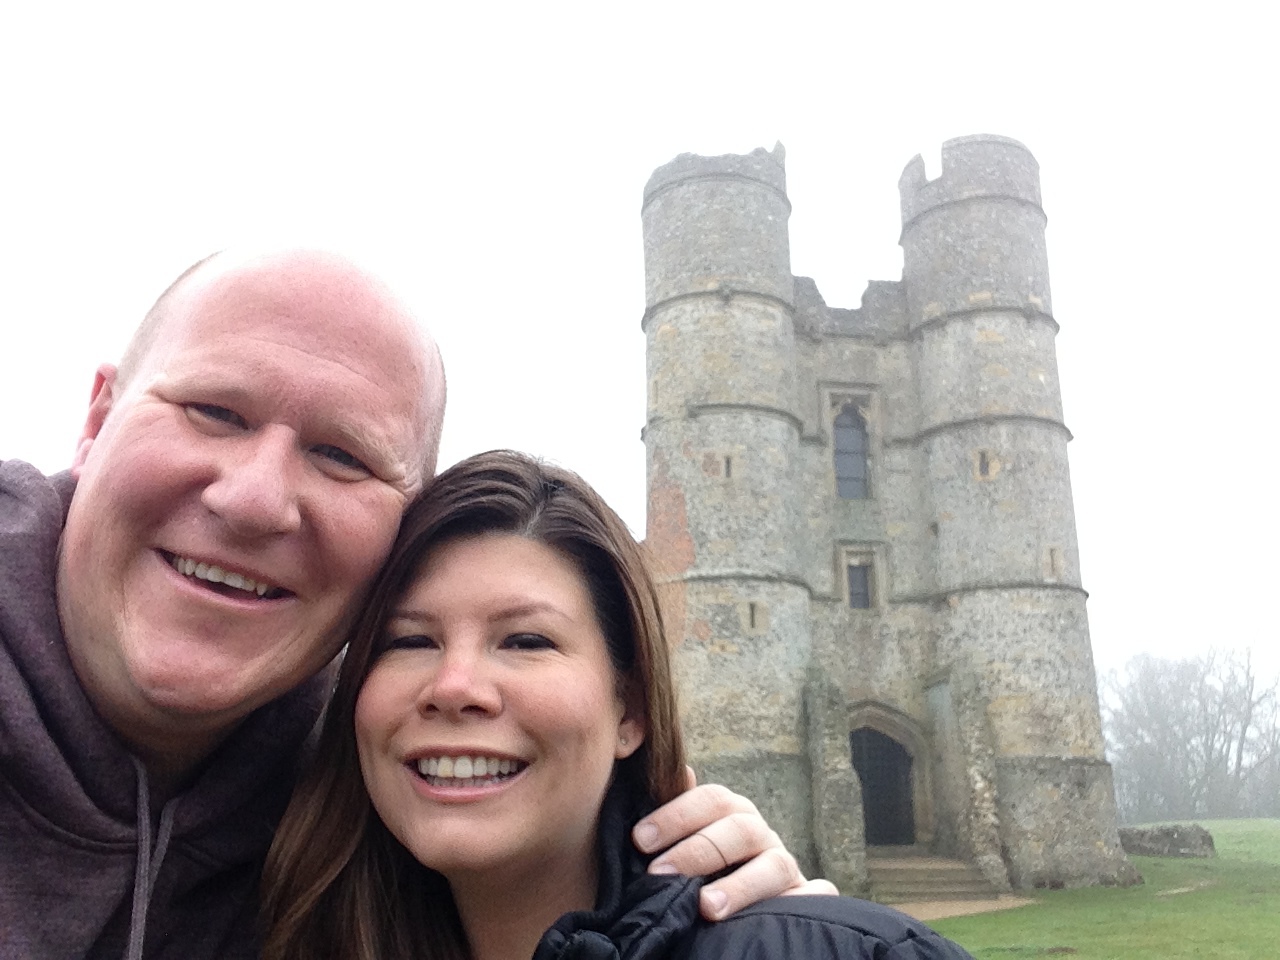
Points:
x=528 y=641
x=416 y=641
x=211 y=411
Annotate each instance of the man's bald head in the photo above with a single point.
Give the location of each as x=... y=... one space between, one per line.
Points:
x=143 y=337
x=153 y=325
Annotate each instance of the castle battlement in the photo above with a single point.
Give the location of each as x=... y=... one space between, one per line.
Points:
x=763 y=166
x=983 y=165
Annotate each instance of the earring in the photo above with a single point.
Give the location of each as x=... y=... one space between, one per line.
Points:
x=622 y=740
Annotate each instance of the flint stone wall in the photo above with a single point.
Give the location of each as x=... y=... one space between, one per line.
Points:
x=1057 y=823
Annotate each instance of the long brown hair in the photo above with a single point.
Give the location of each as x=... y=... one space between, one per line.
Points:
x=336 y=883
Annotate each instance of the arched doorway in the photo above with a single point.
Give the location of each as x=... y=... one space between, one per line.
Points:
x=884 y=767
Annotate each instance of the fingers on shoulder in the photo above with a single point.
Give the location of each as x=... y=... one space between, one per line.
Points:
x=767 y=875
x=697 y=808
x=743 y=835
x=718 y=801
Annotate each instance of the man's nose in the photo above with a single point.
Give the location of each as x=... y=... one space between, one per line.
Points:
x=462 y=685
x=256 y=492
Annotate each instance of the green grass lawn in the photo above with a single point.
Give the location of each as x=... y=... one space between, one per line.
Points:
x=1226 y=908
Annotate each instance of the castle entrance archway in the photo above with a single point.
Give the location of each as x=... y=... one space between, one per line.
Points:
x=884 y=767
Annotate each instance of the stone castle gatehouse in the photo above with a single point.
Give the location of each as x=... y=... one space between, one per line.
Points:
x=863 y=522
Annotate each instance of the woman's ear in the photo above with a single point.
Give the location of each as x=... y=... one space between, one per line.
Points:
x=630 y=736
x=632 y=726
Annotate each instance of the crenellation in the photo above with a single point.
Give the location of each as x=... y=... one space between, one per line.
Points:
x=766 y=167
x=884 y=302
x=811 y=311
x=983 y=165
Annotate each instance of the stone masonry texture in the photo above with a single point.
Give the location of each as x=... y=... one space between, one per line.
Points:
x=964 y=688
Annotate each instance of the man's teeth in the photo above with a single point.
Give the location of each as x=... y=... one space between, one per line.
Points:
x=468 y=768
x=214 y=574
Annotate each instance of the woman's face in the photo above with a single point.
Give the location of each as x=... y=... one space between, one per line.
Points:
x=488 y=729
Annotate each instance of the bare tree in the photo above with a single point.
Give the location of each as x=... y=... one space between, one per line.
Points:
x=1198 y=737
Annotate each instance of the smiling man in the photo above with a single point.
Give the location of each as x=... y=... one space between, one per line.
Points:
x=168 y=608
x=273 y=431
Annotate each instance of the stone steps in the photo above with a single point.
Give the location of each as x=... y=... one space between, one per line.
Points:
x=912 y=875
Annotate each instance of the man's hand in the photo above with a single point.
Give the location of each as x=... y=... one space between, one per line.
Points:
x=716 y=828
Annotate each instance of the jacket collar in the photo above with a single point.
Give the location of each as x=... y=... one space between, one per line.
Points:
x=637 y=915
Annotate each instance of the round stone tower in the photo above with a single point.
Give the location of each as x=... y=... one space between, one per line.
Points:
x=722 y=440
x=995 y=452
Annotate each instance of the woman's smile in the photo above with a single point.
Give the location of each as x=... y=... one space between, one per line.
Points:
x=465 y=777
x=466 y=768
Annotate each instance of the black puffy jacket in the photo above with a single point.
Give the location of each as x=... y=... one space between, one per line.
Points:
x=643 y=917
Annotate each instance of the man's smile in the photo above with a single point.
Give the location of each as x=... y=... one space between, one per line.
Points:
x=221 y=579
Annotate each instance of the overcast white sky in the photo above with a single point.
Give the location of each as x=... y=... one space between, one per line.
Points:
x=488 y=160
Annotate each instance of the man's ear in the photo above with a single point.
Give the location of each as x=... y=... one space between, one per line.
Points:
x=100 y=401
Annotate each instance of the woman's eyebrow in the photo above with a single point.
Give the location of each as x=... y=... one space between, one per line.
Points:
x=411 y=615
x=499 y=611
x=527 y=607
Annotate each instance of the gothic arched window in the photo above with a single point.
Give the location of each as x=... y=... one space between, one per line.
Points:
x=849 y=436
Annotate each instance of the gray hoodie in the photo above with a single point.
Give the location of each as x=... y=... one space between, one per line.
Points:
x=87 y=868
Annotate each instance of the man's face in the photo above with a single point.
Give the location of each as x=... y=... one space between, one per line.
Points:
x=270 y=440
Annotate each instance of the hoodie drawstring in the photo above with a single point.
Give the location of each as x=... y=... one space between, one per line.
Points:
x=150 y=857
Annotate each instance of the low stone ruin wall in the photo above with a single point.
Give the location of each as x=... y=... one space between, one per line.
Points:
x=1170 y=840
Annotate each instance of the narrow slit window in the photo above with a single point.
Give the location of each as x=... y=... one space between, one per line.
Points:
x=751 y=615
x=728 y=468
x=859 y=575
x=849 y=436
x=984 y=463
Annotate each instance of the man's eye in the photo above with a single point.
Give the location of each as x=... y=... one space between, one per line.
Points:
x=340 y=457
x=528 y=641
x=211 y=411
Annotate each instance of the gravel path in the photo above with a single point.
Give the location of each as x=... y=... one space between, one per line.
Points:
x=927 y=910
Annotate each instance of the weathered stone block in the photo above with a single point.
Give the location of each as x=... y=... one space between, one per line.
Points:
x=1168 y=840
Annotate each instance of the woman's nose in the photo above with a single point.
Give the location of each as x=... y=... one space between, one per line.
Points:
x=462 y=685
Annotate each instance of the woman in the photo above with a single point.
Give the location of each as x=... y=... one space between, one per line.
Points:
x=507 y=703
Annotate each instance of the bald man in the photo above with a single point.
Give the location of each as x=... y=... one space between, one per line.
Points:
x=168 y=609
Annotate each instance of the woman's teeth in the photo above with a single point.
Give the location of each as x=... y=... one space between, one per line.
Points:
x=467 y=771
